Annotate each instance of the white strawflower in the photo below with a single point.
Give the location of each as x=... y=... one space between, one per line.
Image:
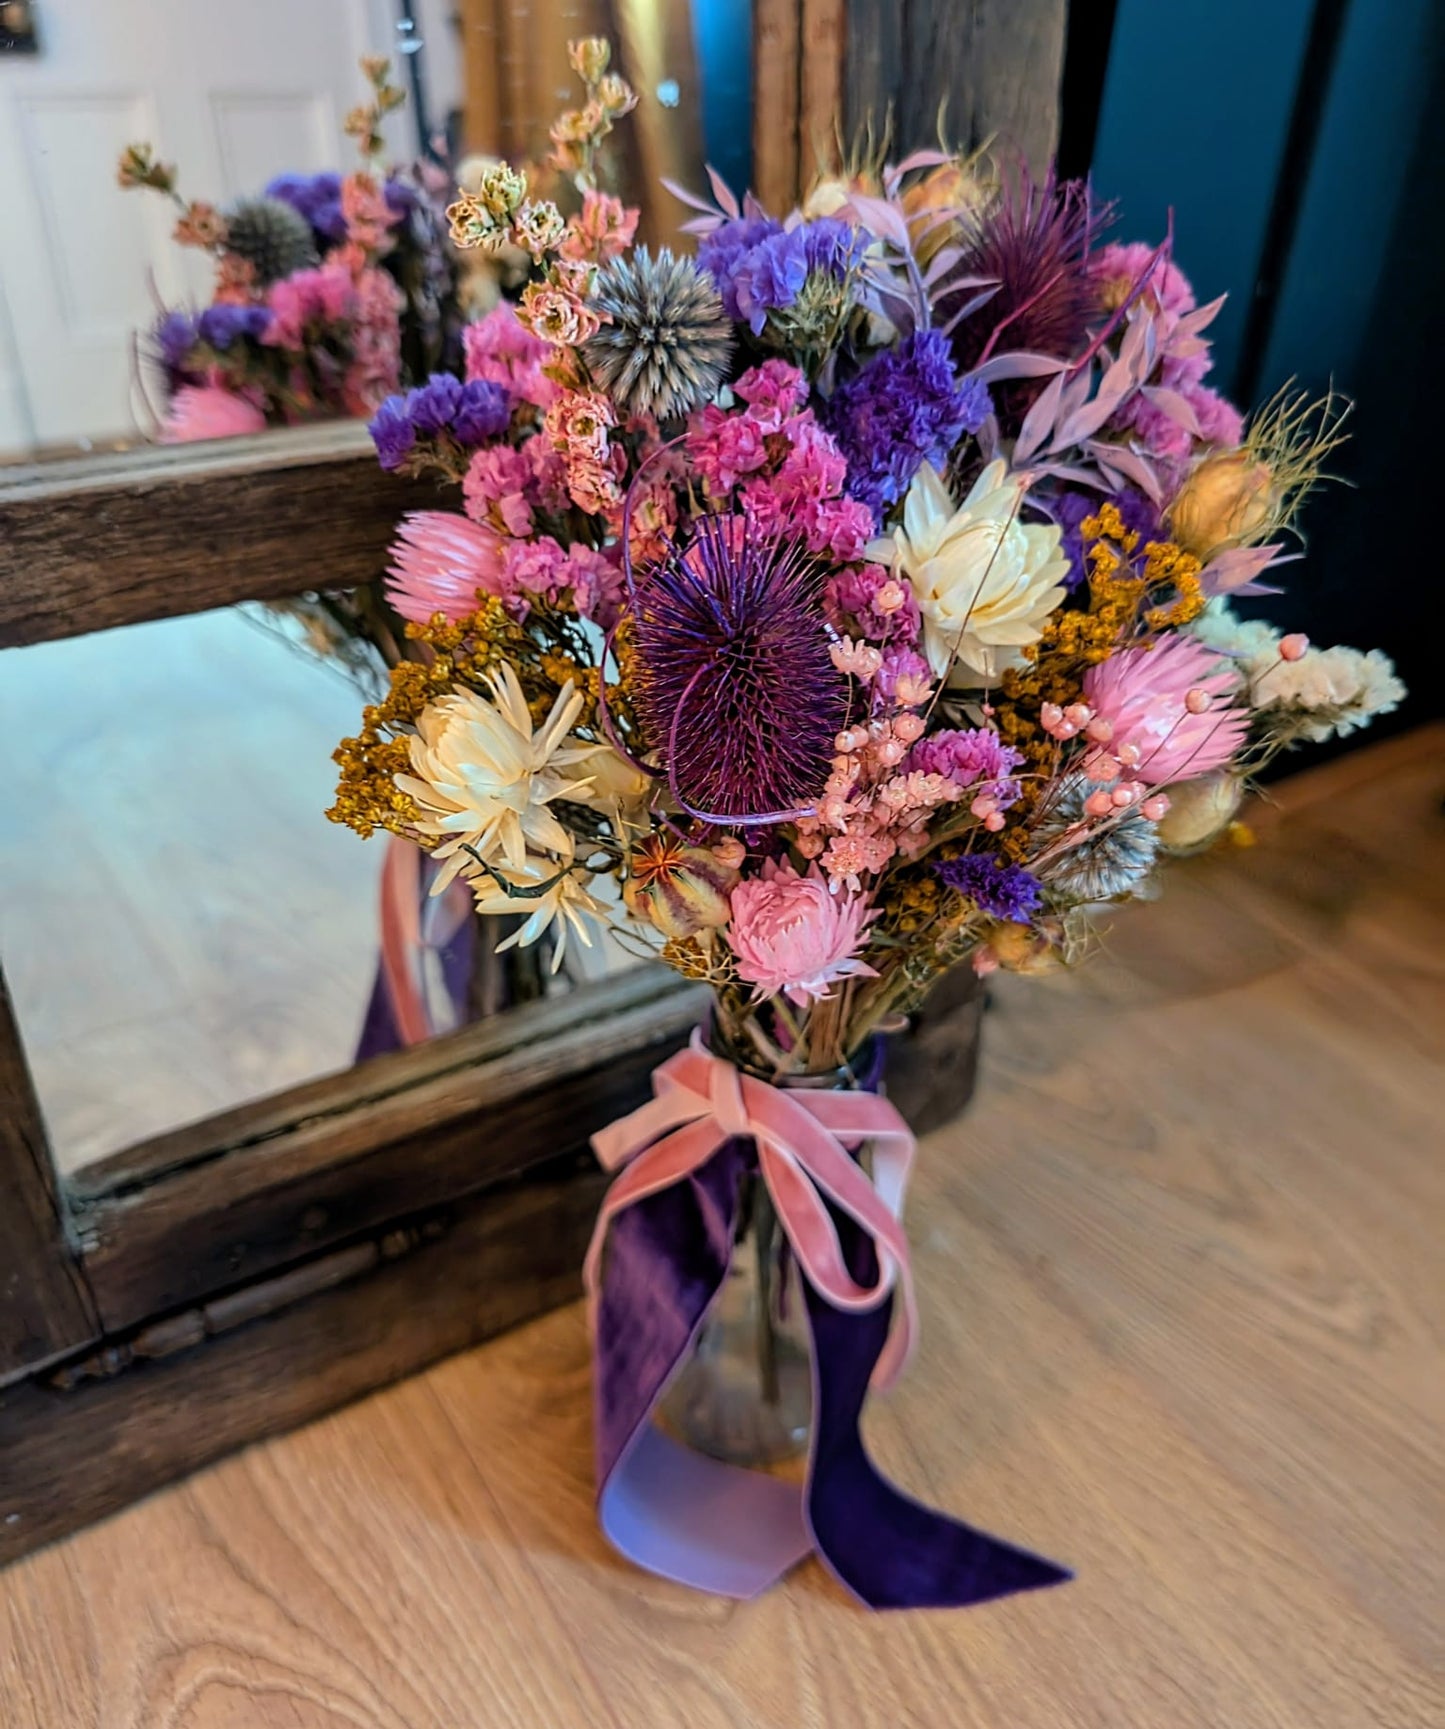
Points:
x=564 y=900
x=985 y=581
x=484 y=778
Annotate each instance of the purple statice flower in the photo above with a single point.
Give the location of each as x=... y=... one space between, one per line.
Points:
x=1003 y=891
x=968 y=757
x=219 y=326
x=734 y=683
x=833 y=246
x=483 y=412
x=392 y=432
x=905 y=408
x=848 y=605
x=317 y=197
x=433 y=404
x=1069 y=508
x=760 y=266
x=723 y=250
x=175 y=336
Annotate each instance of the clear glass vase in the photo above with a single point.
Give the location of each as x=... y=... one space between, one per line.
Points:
x=746 y=1394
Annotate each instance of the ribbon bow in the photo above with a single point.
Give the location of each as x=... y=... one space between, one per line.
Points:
x=659 y=1256
x=803 y=1141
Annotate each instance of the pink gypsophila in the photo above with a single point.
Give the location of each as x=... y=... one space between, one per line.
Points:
x=791 y=933
x=1150 y=697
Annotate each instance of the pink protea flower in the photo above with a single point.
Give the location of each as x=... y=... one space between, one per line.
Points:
x=791 y=934
x=1173 y=704
x=440 y=562
x=208 y=411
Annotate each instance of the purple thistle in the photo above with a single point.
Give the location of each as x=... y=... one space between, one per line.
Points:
x=1034 y=240
x=906 y=408
x=1003 y=891
x=734 y=684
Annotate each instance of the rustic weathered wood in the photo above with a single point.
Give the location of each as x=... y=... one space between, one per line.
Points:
x=776 y=57
x=986 y=68
x=155 y=532
x=218 y=1204
x=78 y=1446
x=1179 y=1274
x=44 y=1306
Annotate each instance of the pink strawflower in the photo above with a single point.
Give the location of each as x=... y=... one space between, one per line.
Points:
x=791 y=934
x=1150 y=696
x=440 y=562
x=207 y=411
x=500 y=351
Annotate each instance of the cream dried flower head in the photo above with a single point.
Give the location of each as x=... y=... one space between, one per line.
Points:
x=484 y=779
x=985 y=581
x=553 y=896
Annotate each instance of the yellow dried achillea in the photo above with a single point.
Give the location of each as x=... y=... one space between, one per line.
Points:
x=367 y=797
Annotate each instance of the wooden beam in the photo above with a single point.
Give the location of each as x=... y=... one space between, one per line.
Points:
x=94 y=542
x=45 y=1309
x=990 y=68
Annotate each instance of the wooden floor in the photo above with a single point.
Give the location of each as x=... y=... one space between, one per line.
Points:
x=1181 y=1280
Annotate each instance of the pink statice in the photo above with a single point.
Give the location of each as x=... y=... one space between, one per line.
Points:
x=207 y=411
x=327 y=295
x=532 y=567
x=1117 y=268
x=973 y=758
x=602 y=229
x=1164 y=436
x=368 y=217
x=1220 y=422
x=1171 y=709
x=903 y=680
x=724 y=447
x=792 y=935
x=500 y=351
x=440 y=562
x=375 y=369
x=866 y=600
x=595 y=579
x=773 y=392
x=549 y=476
x=499 y=488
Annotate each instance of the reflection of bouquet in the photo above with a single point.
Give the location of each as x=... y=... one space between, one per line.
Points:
x=328 y=290
x=854 y=595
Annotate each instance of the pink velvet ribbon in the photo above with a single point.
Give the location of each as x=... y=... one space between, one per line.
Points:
x=805 y=1141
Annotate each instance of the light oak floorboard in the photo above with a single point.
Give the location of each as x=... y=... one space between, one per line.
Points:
x=1181 y=1280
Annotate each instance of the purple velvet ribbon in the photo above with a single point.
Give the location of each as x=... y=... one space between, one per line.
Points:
x=735 y=1532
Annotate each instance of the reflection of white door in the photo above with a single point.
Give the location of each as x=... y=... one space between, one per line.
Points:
x=231 y=93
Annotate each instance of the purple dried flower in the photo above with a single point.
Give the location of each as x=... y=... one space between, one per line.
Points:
x=1069 y=508
x=906 y=408
x=175 y=336
x=483 y=412
x=734 y=684
x=219 y=326
x=317 y=197
x=1034 y=241
x=834 y=246
x=1003 y=891
x=721 y=252
x=760 y=266
x=966 y=757
x=432 y=405
x=392 y=432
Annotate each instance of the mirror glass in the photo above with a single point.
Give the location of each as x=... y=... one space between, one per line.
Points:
x=182 y=930
x=242 y=101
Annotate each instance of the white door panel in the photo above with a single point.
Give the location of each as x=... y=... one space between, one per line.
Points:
x=230 y=93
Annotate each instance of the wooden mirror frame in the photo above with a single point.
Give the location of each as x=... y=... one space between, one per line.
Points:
x=234 y=1277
